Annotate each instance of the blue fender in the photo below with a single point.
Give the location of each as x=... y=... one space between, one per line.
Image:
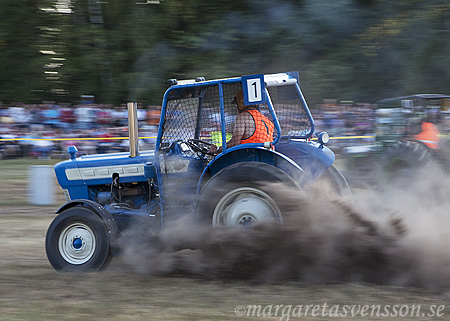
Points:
x=249 y=153
x=313 y=157
x=107 y=217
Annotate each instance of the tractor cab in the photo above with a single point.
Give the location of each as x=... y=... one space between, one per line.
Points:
x=200 y=112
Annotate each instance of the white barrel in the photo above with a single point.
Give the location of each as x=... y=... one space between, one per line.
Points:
x=41 y=185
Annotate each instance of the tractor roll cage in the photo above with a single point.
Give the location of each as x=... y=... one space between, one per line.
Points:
x=283 y=102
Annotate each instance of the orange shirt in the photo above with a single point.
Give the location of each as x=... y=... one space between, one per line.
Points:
x=263 y=128
x=429 y=135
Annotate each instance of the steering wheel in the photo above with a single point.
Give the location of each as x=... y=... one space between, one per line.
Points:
x=200 y=146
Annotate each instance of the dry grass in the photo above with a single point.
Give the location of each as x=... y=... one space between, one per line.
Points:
x=31 y=290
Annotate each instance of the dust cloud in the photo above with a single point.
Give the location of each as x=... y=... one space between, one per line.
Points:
x=395 y=236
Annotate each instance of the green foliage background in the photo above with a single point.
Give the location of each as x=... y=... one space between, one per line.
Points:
x=121 y=50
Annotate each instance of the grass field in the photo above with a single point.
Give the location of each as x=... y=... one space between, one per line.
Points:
x=31 y=290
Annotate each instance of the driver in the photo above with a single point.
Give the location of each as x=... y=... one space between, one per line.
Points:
x=250 y=127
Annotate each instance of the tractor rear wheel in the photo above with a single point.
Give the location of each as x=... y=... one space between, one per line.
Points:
x=403 y=160
x=245 y=193
x=336 y=181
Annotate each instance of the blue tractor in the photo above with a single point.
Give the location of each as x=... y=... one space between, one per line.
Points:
x=109 y=193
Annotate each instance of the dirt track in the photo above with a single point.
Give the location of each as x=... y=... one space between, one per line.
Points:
x=31 y=290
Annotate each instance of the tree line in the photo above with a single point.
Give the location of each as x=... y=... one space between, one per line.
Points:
x=122 y=50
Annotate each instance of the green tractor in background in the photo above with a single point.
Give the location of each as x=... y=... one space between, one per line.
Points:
x=410 y=135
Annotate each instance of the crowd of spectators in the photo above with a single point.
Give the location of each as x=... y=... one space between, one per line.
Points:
x=347 y=122
x=28 y=130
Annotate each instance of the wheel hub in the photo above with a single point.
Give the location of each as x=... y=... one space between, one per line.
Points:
x=246 y=221
x=242 y=207
x=77 y=243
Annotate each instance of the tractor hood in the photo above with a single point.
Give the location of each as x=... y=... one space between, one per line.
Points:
x=98 y=169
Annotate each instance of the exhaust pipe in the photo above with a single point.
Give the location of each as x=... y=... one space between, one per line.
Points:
x=133 y=129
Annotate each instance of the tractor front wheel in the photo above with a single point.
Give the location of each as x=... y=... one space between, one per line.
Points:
x=77 y=241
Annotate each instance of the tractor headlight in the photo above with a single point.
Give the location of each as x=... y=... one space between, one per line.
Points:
x=323 y=138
